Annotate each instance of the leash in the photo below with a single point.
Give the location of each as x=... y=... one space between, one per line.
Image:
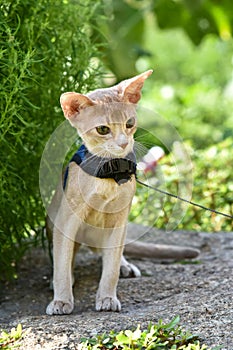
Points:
x=121 y=170
x=185 y=200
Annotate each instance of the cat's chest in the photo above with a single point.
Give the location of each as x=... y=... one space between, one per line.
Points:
x=106 y=196
x=102 y=195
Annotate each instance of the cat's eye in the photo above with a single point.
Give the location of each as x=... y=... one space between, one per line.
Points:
x=103 y=130
x=130 y=123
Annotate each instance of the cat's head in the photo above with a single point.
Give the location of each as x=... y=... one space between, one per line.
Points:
x=106 y=118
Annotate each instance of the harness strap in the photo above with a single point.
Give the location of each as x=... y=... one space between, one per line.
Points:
x=119 y=169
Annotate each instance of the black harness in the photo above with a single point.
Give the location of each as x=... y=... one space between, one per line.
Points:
x=118 y=169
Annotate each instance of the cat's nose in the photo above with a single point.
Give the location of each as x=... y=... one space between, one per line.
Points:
x=122 y=141
x=124 y=145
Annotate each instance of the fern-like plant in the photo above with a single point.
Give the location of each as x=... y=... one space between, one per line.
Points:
x=46 y=48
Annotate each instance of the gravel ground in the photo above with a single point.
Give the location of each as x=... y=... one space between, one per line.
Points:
x=199 y=291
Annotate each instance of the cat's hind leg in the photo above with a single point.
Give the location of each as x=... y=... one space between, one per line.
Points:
x=128 y=270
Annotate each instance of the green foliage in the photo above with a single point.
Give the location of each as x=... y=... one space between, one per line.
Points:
x=197 y=18
x=11 y=340
x=124 y=31
x=192 y=90
x=127 y=32
x=159 y=336
x=46 y=48
x=212 y=187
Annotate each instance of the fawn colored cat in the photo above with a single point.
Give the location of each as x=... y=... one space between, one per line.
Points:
x=99 y=186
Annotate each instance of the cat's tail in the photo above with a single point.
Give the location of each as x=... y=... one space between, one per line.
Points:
x=140 y=249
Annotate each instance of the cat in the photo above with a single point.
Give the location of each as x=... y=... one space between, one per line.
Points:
x=92 y=204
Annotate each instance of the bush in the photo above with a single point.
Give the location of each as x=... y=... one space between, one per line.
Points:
x=212 y=187
x=193 y=88
x=192 y=92
x=161 y=336
x=46 y=48
x=11 y=340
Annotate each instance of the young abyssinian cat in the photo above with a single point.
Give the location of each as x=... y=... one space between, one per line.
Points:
x=94 y=203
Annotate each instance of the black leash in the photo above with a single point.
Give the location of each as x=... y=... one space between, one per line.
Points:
x=121 y=170
x=185 y=200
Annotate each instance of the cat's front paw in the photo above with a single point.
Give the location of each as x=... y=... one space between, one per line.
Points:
x=108 y=304
x=59 y=307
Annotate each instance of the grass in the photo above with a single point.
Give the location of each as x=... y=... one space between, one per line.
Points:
x=160 y=336
x=11 y=340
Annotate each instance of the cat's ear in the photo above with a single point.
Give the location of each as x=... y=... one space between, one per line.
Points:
x=131 y=88
x=72 y=103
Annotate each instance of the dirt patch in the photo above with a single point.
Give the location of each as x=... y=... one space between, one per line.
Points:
x=200 y=292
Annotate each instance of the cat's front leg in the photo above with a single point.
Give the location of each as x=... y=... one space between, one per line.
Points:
x=63 y=249
x=106 y=298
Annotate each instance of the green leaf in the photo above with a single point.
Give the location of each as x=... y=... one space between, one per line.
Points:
x=137 y=333
x=106 y=340
x=121 y=338
x=173 y=323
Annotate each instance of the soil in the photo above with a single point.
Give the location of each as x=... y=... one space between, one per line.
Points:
x=199 y=291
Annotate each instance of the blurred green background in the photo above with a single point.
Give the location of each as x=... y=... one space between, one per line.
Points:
x=51 y=47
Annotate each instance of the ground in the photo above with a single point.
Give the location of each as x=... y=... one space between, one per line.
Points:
x=199 y=291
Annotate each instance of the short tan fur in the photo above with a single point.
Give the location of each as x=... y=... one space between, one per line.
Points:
x=94 y=211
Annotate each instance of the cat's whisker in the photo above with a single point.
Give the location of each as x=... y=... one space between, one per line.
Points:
x=101 y=155
x=140 y=150
x=142 y=142
x=136 y=137
x=142 y=138
x=92 y=158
